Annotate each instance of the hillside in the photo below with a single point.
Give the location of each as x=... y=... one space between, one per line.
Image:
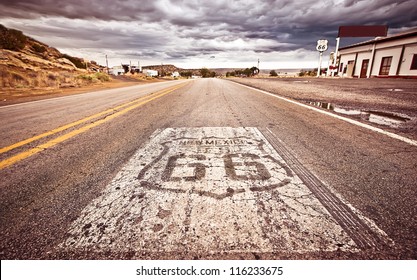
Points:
x=26 y=63
x=167 y=69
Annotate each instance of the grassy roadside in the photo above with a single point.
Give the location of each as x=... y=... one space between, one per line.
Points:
x=9 y=96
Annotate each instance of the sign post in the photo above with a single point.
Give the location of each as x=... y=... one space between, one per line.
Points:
x=336 y=54
x=321 y=47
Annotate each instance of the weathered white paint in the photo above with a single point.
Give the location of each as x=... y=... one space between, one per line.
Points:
x=207 y=190
x=351 y=121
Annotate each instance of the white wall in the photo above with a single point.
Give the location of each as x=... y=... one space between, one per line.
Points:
x=407 y=59
x=345 y=59
x=150 y=73
x=383 y=49
x=395 y=52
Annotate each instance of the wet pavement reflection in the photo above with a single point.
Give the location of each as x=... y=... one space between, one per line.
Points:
x=378 y=117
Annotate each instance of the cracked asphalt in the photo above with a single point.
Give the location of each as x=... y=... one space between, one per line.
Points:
x=202 y=169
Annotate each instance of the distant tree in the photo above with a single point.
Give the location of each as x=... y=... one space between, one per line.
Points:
x=273 y=73
x=254 y=70
x=247 y=72
x=186 y=74
x=303 y=73
x=312 y=73
x=126 y=68
x=204 y=72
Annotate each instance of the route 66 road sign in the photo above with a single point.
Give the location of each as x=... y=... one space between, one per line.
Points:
x=321 y=45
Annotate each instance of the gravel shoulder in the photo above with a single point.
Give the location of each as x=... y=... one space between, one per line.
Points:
x=9 y=96
x=362 y=99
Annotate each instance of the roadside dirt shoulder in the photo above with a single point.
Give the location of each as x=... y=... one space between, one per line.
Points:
x=9 y=96
x=390 y=104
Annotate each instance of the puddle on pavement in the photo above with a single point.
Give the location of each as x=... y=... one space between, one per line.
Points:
x=382 y=118
x=395 y=89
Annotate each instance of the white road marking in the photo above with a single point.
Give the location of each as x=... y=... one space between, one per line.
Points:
x=367 y=126
x=102 y=91
x=207 y=190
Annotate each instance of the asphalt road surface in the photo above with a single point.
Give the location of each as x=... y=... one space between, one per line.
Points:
x=201 y=169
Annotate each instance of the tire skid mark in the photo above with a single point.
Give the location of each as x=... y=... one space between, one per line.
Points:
x=356 y=228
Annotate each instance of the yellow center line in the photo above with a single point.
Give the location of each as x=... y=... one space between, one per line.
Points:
x=12 y=160
x=67 y=126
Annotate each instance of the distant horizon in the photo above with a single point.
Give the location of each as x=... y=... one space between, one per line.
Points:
x=227 y=68
x=193 y=34
x=213 y=66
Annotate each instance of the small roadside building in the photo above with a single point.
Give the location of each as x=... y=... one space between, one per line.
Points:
x=175 y=74
x=117 y=70
x=150 y=73
x=391 y=56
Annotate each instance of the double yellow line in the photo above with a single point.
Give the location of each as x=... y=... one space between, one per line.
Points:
x=109 y=114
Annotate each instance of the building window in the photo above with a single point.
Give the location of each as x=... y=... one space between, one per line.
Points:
x=414 y=63
x=385 y=65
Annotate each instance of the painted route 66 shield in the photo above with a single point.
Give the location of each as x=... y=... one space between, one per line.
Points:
x=205 y=190
x=214 y=162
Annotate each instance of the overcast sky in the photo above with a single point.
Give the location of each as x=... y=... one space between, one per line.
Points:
x=194 y=34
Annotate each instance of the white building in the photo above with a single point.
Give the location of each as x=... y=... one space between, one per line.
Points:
x=392 y=56
x=150 y=73
x=117 y=70
x=175 y=74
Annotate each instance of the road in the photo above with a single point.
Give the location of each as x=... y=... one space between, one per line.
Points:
x=201 y=169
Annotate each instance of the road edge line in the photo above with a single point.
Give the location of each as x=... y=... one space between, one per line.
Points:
x=354 y=122
x=28 y=153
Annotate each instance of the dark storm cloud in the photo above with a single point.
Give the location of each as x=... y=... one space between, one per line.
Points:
x=95 y=35
x=187 y=28
x=81 y=9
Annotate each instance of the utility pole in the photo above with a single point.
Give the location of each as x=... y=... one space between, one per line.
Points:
x=107 y=65
x=336 y=54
